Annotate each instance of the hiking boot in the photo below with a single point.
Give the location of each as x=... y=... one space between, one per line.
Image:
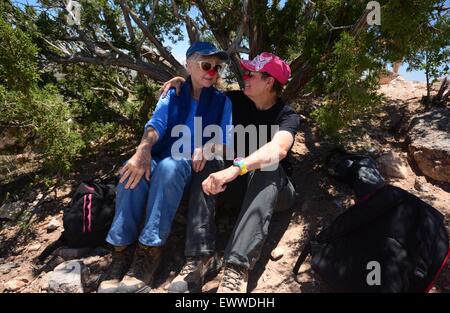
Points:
x=140 y=275
x=234 y=280
x=121 y=260
x=193 y=274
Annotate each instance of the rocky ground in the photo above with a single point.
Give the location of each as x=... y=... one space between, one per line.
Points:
x=413 y=153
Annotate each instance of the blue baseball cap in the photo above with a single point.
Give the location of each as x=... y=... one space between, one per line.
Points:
x=206 y=48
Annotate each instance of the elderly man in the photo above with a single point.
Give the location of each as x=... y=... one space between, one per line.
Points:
x=254 y=178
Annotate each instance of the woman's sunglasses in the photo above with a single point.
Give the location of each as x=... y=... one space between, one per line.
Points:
x=206 y=66
x=250 y=74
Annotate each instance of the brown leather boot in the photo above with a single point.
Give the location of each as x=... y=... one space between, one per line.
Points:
x=193 y=274
x=234 y=280
x=140 y=275
x=121 y=259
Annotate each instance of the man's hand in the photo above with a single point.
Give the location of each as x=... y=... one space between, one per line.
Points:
x=136 y=167
x=216 y=182
x=175 y=82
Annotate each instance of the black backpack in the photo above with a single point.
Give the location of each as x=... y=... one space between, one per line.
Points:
x=87 y=219
x=388 y=228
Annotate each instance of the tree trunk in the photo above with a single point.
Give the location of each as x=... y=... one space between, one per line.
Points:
x=144 y=111
x=443 y=93
x=428 y=84
x=256 y=22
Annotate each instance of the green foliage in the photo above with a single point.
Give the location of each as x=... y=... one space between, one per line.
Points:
x=350 y=86
x=434 y=57
x=18 y=66
x=99 y=132
x=43 y=114
x=330 y=57
x=61 y=139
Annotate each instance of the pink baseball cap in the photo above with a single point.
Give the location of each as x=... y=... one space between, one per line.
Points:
x=269 y=63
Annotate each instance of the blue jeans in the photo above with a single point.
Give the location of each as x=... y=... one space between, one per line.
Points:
x=146 y=212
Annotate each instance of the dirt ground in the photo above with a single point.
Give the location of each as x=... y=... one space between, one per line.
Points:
x=320 y=198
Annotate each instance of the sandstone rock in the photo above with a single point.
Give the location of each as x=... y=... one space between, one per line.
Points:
x=429 y=143
x=394 y=166
x=66 y=278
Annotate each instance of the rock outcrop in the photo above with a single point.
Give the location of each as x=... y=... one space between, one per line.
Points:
x=429 y=143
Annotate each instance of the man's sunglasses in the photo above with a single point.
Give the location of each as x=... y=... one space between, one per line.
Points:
x=206 y=66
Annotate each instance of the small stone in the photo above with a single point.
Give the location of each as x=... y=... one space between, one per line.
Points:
x=394 y=166
x=66 y=278
x=14 y=285
x=24 y=279
x=34 y=247
x=43 y=283
x=11 y=211
x=6 y=268
x=304 y=267
x=277 y=253
x=420 y=184
x=53 y=225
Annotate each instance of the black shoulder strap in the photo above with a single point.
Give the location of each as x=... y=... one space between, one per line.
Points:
x=50 y=248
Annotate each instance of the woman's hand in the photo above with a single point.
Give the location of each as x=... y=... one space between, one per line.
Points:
x=137 y=166
x=175 y=82
x=198 y=160
x=216 y=182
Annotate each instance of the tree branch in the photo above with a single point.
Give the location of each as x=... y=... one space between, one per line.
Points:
x=191 y=27
x=235 y=45
x=257 y=33
x=161 y=49
x=223 y=39
x=360 y=24
x=303 y=72
x=153 y=71
x=335 y=27
x=127 y=22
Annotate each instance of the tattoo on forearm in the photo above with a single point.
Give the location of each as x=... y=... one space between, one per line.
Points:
x=149 y=138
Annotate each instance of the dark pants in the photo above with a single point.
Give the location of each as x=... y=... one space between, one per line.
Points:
x=258 y=194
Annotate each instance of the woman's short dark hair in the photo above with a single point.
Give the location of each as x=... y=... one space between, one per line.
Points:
x=277 y=86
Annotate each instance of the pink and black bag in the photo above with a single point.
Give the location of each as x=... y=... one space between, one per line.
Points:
x=87 y=219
